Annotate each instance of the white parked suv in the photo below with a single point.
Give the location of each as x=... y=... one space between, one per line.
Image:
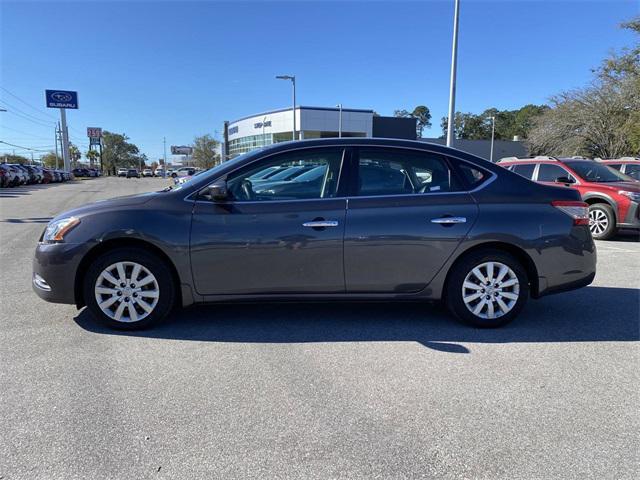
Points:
x=147 y=172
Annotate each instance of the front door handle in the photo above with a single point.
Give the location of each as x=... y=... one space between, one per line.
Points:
x=448 y=220
x=321 y=224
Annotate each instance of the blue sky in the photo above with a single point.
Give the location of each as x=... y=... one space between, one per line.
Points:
x=179 y=69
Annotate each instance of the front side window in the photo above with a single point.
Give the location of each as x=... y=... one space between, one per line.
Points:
x=596 y=172
x=403 y=172
x=633 y=170
x=549 y=173
x=303 y=174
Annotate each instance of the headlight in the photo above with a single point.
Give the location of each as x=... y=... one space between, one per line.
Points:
x=56 y=231
x=635 y=196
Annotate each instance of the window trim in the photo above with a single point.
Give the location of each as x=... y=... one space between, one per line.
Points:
x=348 y=159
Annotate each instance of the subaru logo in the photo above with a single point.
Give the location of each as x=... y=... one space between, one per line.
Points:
x=61 y=96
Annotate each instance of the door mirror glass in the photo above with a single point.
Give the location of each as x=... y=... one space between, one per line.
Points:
x=218 y=191
x=564 y=180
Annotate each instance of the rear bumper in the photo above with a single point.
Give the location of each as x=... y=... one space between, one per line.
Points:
x=574 y=285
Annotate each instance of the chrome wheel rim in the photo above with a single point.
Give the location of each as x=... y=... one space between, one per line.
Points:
x=127 y=292
x=598 y=221
x=490 y=290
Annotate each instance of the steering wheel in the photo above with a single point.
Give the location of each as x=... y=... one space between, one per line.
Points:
x=247 y=189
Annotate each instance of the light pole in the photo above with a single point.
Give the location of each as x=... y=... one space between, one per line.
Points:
x=493 y=135
x=293 y=82
x=339 y=120
x=452 y=87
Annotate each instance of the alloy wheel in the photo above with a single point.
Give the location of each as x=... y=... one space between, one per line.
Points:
x=598 y=221
x=126 y=292
x=490 y=290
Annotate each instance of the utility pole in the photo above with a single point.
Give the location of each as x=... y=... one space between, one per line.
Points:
x=65 y=140
x=493 y=136
x=164 y=167
x=56 y=144
x=452 y=87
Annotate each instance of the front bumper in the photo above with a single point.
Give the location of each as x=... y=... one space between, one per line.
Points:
x=55 y=267
x=632 y=218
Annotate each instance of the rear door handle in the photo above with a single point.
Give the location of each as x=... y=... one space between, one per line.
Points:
x=320 y=224
x=448 y=220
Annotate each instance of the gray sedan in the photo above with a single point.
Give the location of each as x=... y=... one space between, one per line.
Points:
x=385 y=220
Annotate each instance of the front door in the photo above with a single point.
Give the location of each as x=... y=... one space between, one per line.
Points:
x=273 y=236
x=407 y=216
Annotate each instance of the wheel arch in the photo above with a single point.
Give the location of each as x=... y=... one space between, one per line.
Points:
x=597 y=198
x=111 y=244
x=521 y=255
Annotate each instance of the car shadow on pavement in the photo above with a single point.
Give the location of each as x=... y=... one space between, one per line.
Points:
x=592 y=314
x=26 y=189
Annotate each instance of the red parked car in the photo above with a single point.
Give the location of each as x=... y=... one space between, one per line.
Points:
x=613 y=197
x=628 y=166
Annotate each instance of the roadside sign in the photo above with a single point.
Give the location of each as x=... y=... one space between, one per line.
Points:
x=94 y=132
x=61 y=99
x=94 y=140
x=181 y=150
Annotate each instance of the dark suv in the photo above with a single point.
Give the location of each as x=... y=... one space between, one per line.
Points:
x=373 y=219
x=613 y=197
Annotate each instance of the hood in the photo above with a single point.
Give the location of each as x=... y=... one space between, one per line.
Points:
x=109 y=204
x=628 y=186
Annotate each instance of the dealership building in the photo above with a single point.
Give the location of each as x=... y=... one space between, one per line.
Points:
x=249 y=133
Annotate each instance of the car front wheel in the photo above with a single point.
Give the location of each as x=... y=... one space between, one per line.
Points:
x=602 y=221
x=129 y=288
x=487 y=289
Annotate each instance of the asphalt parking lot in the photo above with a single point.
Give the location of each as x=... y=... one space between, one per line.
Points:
x=323 y=390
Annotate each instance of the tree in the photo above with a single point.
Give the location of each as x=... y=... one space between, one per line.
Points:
x=204 y=151
x=600 y=120
x=8 y=158
x=118 y=152
x=422 y=116
x=74 y=153
x=92 y=156
x=49 y=160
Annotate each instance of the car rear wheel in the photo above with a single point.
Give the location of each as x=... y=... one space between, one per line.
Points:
x=602 y=221
x=487 y=289
x=129 y=288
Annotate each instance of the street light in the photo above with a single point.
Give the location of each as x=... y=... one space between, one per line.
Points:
x=452 y=86
x=293 y=82
x=339 y=120
x=493 y=135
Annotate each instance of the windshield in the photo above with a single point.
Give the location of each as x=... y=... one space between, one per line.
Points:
x=597 y=172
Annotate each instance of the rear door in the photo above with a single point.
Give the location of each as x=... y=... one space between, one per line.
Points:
x=407 y=213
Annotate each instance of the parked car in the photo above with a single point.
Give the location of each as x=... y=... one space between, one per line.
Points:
x=4 y=178
x=468 y=234
x=628 y=166
x=613 y=197
x=171 y=172
x=158 y=172
x=11 y=175
x=133 y=173
x=122 y=172
x=147 y=172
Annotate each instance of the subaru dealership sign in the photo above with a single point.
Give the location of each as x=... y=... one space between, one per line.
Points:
x=61 y=99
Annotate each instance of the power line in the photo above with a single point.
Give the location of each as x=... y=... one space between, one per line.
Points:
x=16 y=109
x=25 y=148
x=24 y=133
x=27 y=104
x=37 y=122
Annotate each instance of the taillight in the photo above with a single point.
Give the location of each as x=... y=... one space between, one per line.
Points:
x=579 y=211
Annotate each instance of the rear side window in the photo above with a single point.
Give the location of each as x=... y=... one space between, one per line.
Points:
x=549 y=173
x=403 y=172
x=617 y=166
x=472 y=176
x=526 y=170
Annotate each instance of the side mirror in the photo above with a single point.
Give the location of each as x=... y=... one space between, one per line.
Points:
x=218 y=191
x=564 y=180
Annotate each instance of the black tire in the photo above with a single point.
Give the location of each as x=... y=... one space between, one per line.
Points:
x=158 y=267
x=454 y=287
x=596 y=211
